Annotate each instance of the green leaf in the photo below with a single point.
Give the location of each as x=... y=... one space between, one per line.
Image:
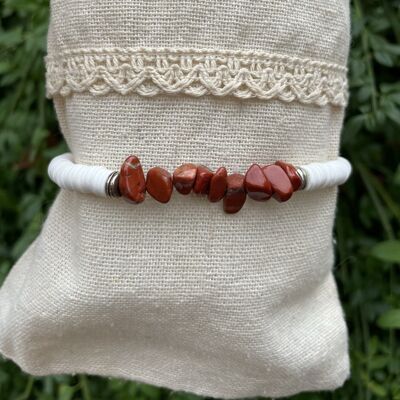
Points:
x=364 y=93
x=387 y=251
x=377 y=389
x=390 y=319
x=11 y=37
x=394 y=97
x=378 y=362
x=353 y=126
x=65 y=392
x=393 y=48
x=384 y=58
x=373 y=386
x=394 y=114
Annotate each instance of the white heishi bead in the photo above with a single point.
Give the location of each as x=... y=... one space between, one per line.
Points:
x=326 y=174
x=82 y=178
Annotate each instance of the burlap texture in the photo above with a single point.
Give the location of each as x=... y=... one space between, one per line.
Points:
x=183 y=295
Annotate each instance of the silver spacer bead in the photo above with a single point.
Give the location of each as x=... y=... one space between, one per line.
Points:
x=302 y=173
x=111 y=186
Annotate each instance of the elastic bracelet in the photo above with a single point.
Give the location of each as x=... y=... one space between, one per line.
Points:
x=260 y=182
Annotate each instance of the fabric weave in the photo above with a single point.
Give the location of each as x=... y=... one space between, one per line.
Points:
x=181 y=294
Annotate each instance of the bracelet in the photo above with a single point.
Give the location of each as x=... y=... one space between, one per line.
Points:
x=260 y=182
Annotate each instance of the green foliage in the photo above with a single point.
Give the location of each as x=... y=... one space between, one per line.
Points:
x=387 y=251
x=367 y=225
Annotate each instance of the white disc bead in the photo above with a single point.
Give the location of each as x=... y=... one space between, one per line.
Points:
x=83 y=178
x=321 y=175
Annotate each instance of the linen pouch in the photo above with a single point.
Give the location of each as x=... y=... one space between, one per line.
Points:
x=183 y=295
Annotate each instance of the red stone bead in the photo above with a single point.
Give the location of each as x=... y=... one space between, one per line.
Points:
x=256 y=184
x=235 y=195
x=218 y=184
x=159 y=184
x=132 y=184
x=184 y=178
x=203 y=178
x=280 y=182
x=291 y=173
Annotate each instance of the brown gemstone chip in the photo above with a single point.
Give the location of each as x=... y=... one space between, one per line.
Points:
x=184 y=178
x=235 y=195
x=291 y=173
x=280 y=182
x=159 y=184
x=132 y=184
x=218 y=184
x=203 y=178
x=256 y=184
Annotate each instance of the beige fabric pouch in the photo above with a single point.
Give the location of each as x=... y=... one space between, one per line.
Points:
x=181 y=294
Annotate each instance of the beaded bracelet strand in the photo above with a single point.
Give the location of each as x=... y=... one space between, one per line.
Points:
x=260 y=182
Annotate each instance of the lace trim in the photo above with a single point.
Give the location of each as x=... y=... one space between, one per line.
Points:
x=243 y=74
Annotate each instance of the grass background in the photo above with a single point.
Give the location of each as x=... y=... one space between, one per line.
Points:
x=367 y=225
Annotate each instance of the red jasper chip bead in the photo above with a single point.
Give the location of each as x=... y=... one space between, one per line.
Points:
x=184 y=178
x=159 y=184
x=256 y=184
x=203 y=178
x=132 y=184
x=218 y=185
x=235 y=195
x=280 y=182
x=291 y=173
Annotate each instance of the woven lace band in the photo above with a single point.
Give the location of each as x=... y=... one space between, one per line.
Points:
x=260 y=182
x=196 y=72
